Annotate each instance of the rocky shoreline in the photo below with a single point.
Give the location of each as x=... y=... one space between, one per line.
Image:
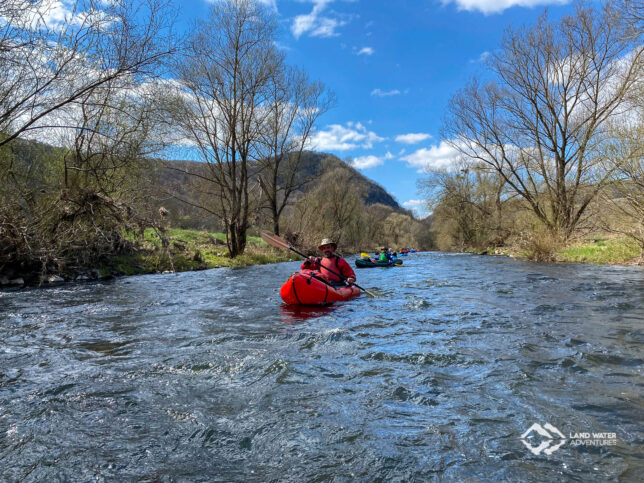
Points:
x=17 y=281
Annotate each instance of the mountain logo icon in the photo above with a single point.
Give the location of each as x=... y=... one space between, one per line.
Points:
x=548 y=445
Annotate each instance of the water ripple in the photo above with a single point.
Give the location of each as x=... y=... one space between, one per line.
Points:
x=205 y=376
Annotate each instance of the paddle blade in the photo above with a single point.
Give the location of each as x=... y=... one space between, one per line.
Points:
x=274 y=240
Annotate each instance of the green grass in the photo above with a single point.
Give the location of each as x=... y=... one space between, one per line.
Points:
x=597 y=249
x=604 y=251
x=189 y=250
x=196 y=237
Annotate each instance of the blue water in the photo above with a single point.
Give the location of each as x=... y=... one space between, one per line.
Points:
x=206 y=376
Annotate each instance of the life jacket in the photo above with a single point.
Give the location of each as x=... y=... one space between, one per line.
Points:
x=332 y=264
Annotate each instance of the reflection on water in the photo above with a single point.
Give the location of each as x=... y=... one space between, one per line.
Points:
x=292 y=314
x=207 y=376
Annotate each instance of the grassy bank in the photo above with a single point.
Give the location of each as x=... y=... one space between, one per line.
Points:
x=190 y=250
x=602 y=251
x=593 y=249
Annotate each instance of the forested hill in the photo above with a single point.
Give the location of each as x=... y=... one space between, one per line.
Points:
x=313 y=166
x=162 y=180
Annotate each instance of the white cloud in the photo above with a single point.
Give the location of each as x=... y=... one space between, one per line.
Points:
x=60 y=127
x=441 y=156
x=414 y=203
x=496 y=6
x=481 y=58
x=419 y=207
x=365 y=162
x=389 y=155
x=326 y=27
x=365 y=51
x=381 y=93
x=280 y=46
x=337 y=137
x=59 y=14
x=412 y=138
x=270 y=3
x=315 y=24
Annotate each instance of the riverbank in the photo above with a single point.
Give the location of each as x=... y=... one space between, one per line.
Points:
x=192 y=250
x=186 y=250
x=591 y=249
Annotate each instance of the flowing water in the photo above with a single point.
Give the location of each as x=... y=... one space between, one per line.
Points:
x=205 y=376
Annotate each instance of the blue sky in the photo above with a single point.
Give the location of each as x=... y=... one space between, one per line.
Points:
x=393 y=65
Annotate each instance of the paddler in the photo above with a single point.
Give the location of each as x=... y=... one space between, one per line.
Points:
x=329 y=262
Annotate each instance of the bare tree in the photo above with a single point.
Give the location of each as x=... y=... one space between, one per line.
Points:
x=468 y=205
x=632 y=13
x=541 y=125
x=294 y=106
x=90 y=196
x=373 y=224
x=78 y=69
x=48 y=63
x=101 y=196
x=225 y=76
x=624 y=195
x=331 y=206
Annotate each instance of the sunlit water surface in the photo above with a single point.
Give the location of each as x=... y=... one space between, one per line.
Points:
x=206 y=376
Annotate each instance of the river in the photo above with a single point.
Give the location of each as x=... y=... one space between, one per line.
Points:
x=206 y=376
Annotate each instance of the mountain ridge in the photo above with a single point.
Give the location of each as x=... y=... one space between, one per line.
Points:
x=313 y=165
x=165 y=180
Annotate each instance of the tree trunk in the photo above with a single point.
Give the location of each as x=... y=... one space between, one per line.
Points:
x=232 y=239
x=237 y=243
x=276 y=222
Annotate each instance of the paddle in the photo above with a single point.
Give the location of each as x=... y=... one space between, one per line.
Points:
x=279 y=242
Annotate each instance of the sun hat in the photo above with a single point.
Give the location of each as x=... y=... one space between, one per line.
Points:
x=327 y=241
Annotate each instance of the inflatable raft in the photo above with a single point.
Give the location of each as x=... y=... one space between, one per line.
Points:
x=363 y=263
x=308 y=287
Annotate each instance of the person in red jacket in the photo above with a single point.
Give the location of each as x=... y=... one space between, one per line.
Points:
x=329 y=262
